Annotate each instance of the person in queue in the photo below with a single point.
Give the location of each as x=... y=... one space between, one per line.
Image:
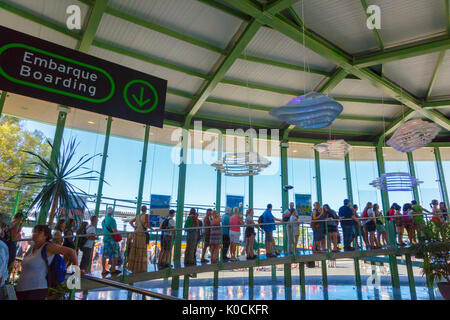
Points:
x=191 y=238
x=206 y=235
x=348 y=218
x=110 y=247
x=226 y=233
x=235 y=232
x=267 y=217
x=32 y=284
x=318 y=228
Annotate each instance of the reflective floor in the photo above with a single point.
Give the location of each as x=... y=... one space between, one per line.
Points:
x=270 y=292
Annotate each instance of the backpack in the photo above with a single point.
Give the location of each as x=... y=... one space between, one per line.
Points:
x=260 y=219
x=365 y=215
x=165 y=224
x=56 y=271
x=11 y=247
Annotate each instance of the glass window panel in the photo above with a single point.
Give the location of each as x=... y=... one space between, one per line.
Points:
x=363 y=167
x=396 y=161
x=334 y=187
x=426 y=171
x=445 y=158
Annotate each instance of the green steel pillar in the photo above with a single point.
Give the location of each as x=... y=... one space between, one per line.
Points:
x=186 y=287
x=180 y=203
x=285 y=205
x=412 y=285
x=16 y=202
x=143 y=165
x=250 y=205
x=348 y=179
x=318 y=181
x=218 y=197
x=442 y=185
x=62 y=115
x=2 y=101
x=302 y=280
x=324 y=275
x=392 y=241
x=412 y=172
x=103 y=166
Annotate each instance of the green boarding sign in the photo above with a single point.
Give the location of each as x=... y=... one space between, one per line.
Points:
x=40 y=69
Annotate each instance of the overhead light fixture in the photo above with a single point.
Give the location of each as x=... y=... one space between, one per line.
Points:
x=294 y=151
x=395 y=181
x=413 y=135
x=91 y=122
x=310 y=111
x=241 y=164
x=333 y=148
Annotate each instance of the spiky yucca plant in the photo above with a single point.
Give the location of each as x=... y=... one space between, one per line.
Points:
x=55 y=178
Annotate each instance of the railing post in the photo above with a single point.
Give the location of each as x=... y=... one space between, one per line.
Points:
x=442 y=185
x=62 y=115
x=180 y=203
x=103 y=166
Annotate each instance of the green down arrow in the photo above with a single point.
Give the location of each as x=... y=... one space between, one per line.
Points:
x=141 y=102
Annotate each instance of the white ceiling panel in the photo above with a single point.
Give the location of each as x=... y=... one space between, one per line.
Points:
x=271 y=44
x=342 y=22
x=187 y=16
x=151 y=43
x=357 y=89
x=413 y=74
x=407 y=20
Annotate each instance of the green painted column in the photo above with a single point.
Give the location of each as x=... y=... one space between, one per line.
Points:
x=180 y=204
x=2 y=101
x=218 y=198
x=143 y=166
x=318 y=180
x=250 y=205
x=392 y=241
x=103 y=166
x=412 y=284
x=324 y=275
x=57 y=139
x=16 y=202
x=285 y=205
x=186 y=287
x=348 y=179
x=442 y=185
x=412 y=172
x=302 y=280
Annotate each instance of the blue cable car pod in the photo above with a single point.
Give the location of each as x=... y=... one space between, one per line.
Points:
x=310 y=111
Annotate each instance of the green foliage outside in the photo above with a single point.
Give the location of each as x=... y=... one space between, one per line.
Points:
x=13 y=139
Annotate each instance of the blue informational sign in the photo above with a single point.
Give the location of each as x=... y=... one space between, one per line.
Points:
x=154 y=220
x=236 y=202
x=303 y=204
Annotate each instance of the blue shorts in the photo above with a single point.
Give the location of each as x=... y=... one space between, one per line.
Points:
x=111 y=249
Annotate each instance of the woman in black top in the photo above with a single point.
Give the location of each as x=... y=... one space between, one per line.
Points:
x=332 y=227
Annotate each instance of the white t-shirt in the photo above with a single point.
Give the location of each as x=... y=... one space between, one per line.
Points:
x=171 y=223
x=370 y=214
x=90 y=229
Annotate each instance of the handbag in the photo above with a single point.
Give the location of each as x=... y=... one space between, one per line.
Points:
x=116 y=237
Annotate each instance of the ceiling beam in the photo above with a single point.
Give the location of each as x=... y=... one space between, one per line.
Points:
x=338 y=57
x=404 y=52
x=246 y=36
x=93 y=21
x=435 y=73
x=279 y=5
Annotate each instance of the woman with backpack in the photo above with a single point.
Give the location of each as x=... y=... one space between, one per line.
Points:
x=318 y=228
x=33 y=283
x=191 y=238
x=166 y=239
x=137 y=258
x=370 y=225
x=250 y=235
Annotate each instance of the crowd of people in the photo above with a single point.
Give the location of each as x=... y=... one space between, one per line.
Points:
x=220 y=234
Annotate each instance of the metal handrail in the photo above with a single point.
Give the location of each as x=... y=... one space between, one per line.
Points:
x=229 y=226
x=127 y=287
